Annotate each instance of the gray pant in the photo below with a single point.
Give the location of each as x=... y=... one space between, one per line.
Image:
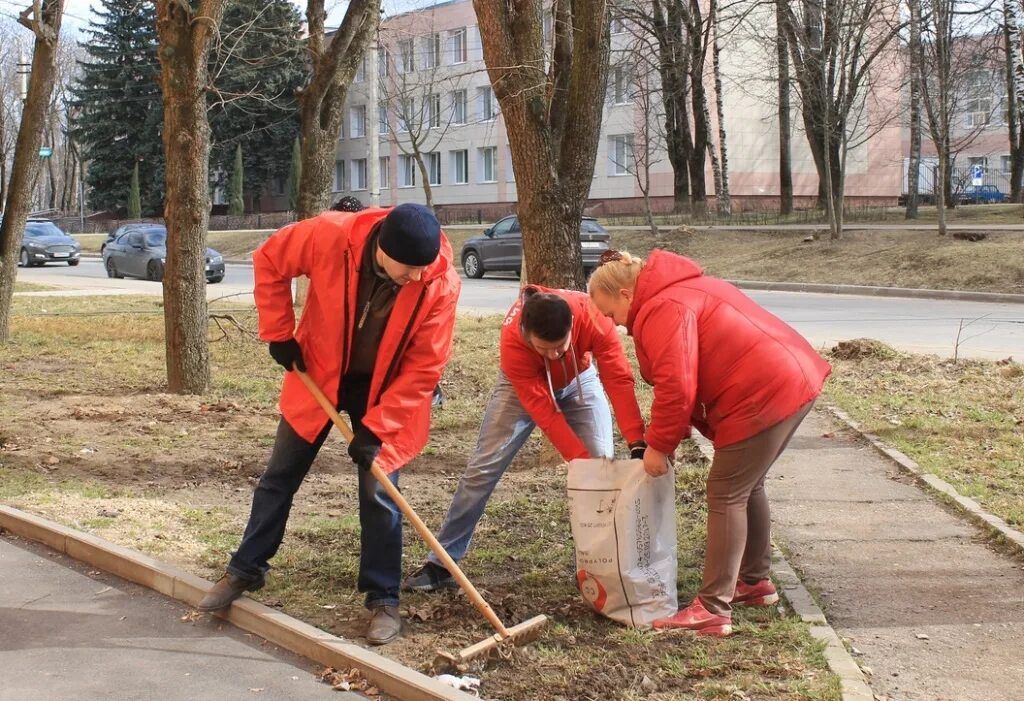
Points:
x=506 y=427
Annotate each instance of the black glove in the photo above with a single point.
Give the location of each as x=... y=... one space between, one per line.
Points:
x=364 y=448
x=288 y=354
x=636 y=450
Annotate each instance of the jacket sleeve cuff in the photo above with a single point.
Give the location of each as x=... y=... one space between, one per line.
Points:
x=663 y=446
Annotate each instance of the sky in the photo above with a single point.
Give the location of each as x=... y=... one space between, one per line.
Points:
x=77 y=13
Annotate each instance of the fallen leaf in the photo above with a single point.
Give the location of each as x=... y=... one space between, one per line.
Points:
x=256 y=689
x=922 y=636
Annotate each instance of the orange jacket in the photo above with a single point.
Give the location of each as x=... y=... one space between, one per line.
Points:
x=593 y=335
x=717 y=360
x=416 y=345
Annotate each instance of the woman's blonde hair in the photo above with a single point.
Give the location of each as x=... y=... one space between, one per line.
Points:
x=618 y=270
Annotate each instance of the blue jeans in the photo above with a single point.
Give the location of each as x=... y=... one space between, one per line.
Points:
x=504 y=430
x=380 y=521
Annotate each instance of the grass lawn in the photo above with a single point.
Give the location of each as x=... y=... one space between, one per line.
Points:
x=917 y=259
x=109 y=452
x=962 y=421
x=31 y=287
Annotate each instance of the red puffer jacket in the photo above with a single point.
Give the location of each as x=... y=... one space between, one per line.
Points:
x=593 y=337
x=416 y=345
x=717 y=360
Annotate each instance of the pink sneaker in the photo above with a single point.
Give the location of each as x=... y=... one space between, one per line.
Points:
x=698 y=619
x=761 y=594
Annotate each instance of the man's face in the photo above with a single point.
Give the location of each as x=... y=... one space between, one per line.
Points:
x=399 y=273
x=552 y=350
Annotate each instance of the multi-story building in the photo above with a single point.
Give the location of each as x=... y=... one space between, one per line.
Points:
x=435 y=99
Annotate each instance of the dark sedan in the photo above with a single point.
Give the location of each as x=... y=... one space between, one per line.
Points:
x=501 y=247
x=44 y=243
x=141 y=251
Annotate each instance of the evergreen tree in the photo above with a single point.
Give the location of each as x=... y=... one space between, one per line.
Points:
x=258 y=69
x=295 y=176
x=134 y=198
x=237 y=205
x=121 y=114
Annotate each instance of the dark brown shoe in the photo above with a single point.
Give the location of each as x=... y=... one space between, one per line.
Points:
x=385 y=625
x=227 y=589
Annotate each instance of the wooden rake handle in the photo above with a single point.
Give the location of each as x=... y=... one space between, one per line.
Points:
x=446 y=560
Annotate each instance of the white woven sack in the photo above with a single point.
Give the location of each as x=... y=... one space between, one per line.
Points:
x=624 y=526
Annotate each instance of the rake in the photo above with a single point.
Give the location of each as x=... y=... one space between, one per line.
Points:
x=504 y=638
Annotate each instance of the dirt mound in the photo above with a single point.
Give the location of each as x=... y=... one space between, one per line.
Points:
x=862 y=349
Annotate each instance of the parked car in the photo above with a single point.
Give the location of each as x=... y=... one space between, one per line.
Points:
x=501 y=247
x=982 y=194
x=141 y=251
x=45 y=243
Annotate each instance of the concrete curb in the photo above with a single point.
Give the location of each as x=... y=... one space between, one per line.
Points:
x=838 y=658
x=282 y=630
x=936 y=485
x=867 y=291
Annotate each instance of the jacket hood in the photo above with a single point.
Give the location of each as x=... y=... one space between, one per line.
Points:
x=363 y=225
x=661 y=269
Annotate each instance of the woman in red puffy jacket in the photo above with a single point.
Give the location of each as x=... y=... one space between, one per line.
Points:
x=743 y=378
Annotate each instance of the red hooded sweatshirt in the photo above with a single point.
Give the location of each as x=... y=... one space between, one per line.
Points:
x=416 y=345
x=593 y=336
x=716 y=359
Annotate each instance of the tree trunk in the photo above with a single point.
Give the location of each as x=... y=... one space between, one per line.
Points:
x=428 y=193
x=554 y=124
x=914 y=162
x=46 y=27
x=940 y=189
x=671 y=68
x=322 y=101
x=185 y=41
x=723 y=200
x=1014 y=93
x=785 y=126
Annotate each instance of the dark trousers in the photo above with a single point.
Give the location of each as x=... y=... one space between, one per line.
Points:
x=380 y=559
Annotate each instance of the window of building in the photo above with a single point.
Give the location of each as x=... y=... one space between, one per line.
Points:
x=618 y=24
x=432 y=51
x=339 y=176
x=407 y=55
x=459 y=107
x=385 y=172
x=383 y=63
x=488 y=164
x=620 y=154
x=488 y=105
x=357 y=121
x=457 y=45
x=433 y=163
x=382 y=118
x=359 y=174
x=460 y=166
x=433 y=111
x=1005 y=163
x=406 y=171
x=621 y=84
x=361 y=71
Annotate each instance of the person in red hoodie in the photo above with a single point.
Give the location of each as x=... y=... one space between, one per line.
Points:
x=376 y=332
x=548 y=342
x=745 y=379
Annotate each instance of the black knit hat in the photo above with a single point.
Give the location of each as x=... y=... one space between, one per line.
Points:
x=411 y=235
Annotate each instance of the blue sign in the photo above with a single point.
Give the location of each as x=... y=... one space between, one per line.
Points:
x=45 y=152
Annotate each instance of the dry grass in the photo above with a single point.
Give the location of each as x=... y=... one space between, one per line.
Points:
x=31 y=287
x=890 y=259
x=107 y=452
x=961 y=421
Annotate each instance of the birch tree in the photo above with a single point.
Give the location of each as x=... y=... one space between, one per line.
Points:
x=43 y=19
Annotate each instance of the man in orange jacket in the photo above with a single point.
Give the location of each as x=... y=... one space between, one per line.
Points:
x=549 y=341
x=376 y=332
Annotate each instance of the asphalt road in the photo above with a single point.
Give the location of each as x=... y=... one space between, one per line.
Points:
x=992 y=331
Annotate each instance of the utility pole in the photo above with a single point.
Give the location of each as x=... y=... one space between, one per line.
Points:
x=373 y=127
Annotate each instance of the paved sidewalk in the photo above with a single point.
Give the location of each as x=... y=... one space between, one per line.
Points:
x=68 y=632
x=935 y=612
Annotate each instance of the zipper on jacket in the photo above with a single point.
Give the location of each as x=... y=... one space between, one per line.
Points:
x=344 y=318
x=396 y=358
